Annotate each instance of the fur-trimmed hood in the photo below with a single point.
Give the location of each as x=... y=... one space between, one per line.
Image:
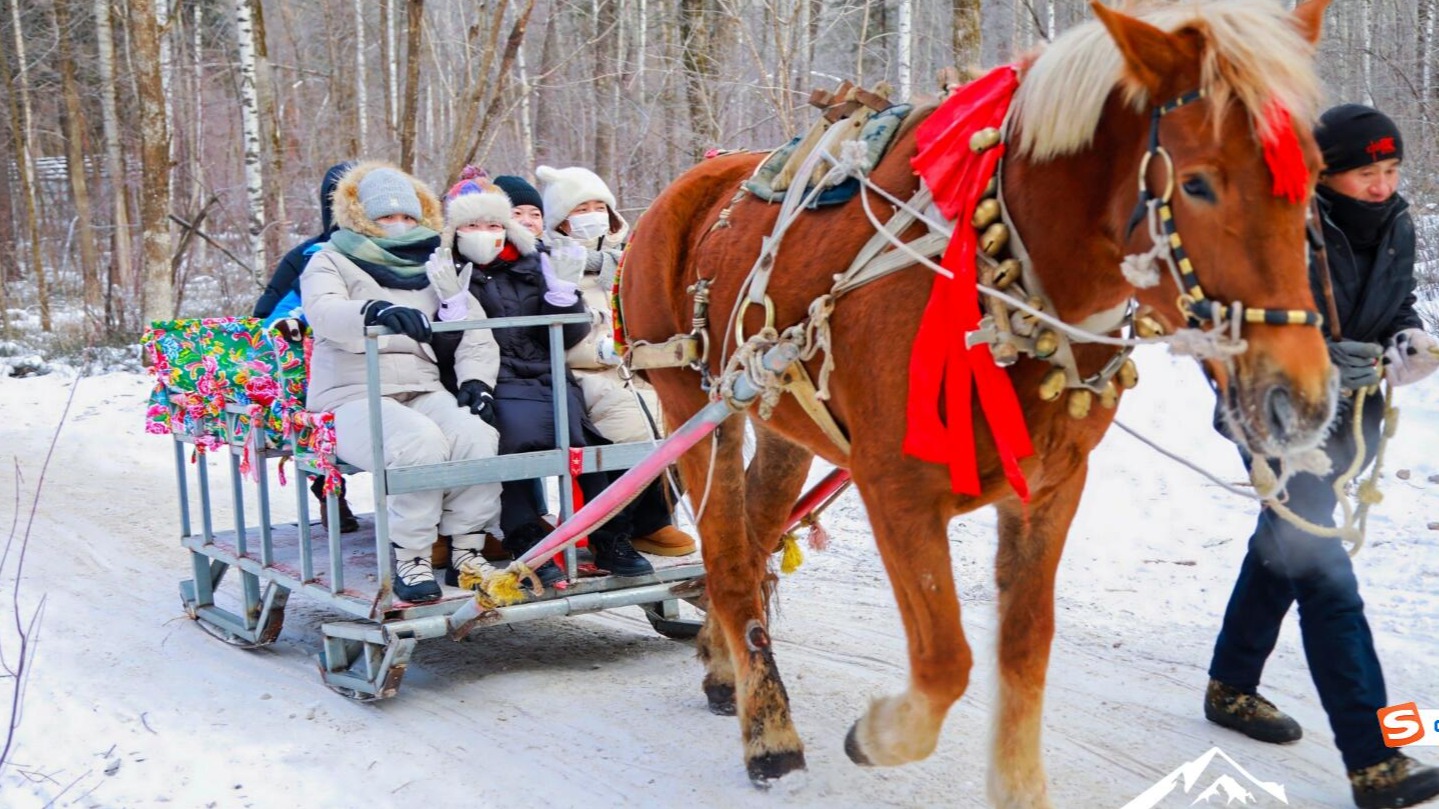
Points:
x=350 y=213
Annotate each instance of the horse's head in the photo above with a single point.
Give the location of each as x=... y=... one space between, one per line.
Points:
x=1194 y=110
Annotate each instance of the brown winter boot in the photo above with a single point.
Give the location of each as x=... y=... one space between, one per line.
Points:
x=668 y=541
x=348 y=523
x=1250 y=714
x=1396 y=781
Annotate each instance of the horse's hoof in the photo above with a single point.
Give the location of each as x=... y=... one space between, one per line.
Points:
x=771 y=766
x=851 y=747
x=721 y=700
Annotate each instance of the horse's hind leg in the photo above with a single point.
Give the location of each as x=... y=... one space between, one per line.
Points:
x=736 y=577
x=909 y=527
x=773 y=481
x=1031 y=540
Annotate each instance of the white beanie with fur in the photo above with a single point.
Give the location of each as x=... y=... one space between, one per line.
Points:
x=564 y=189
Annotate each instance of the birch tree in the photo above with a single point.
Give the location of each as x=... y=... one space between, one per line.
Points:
x=158 y=289
x=905 y=64
x=254 y=146
x=121 y=281
x=361 y=101
x=22 y=132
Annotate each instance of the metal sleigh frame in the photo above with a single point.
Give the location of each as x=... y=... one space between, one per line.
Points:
x=365 y=657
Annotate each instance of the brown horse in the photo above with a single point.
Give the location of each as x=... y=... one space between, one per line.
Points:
x=1082 y=119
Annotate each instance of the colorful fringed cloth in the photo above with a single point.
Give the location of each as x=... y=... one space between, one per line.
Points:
x=944 y=373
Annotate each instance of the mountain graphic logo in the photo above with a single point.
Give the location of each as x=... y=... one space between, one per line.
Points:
x=1224 y=790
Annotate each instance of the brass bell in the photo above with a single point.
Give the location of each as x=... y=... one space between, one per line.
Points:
x=1079 y=403
x=1147 y=327
x=1109 y=397
x=992 y=187
x=1006 y=273
x=986 y=213
x=1045 y=344
x=994 y=238
x=986 y=138
x=1128 y=375
x=1052 y=385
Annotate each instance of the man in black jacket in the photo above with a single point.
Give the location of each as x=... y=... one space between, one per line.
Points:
x=1370 y=245
x=286 y=281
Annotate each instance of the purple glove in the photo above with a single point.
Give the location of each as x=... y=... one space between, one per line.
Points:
x=558 y=292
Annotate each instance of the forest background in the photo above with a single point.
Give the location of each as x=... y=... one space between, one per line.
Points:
x=161 y=156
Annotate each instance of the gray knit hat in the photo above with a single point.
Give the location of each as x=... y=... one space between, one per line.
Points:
x=387 y=191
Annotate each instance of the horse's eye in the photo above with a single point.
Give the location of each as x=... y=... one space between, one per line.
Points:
x=1198 y=188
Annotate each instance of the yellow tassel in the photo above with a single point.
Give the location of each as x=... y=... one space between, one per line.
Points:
x=793 y=557
x=494 y=590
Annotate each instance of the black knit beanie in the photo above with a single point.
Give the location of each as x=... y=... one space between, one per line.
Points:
x=519 y=191
x=1353 y=135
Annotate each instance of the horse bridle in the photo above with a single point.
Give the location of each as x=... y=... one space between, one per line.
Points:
x=1197 y=307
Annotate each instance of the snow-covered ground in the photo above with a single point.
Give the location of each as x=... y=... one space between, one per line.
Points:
x=129 y=705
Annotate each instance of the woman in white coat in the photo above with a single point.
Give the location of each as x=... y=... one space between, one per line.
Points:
x=372 y=272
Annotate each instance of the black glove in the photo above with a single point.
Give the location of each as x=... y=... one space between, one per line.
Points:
x=402 y=319
x=479 y=398
x=1358 y=363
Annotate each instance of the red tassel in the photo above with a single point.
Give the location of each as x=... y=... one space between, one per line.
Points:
x=1282 y=153
x=945 y=374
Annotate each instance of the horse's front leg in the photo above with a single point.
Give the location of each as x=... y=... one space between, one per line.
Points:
x=1031 y=540
x=909 y=528
x=736 y=577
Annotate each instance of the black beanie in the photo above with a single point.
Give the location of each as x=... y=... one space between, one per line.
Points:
x=1353 y=135
x=519 y=191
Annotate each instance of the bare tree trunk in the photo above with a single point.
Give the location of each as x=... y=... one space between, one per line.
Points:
x=74 y=126
x=696 y=35
x=154 y=158
x=387 y=58
x=121 y=279
x=905 y=32
x=270 y=134
x=21 y=130
x=253 y=143
x=546 y=111
x=482 y=134
x=414 y=33
x=361 y=102
x=606 y=86
x=392 y=64
x=964 y=36
x=527 y=129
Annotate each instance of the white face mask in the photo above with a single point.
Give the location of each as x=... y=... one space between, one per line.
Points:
x=590 y=225
x=394 y=230
x=480 y=246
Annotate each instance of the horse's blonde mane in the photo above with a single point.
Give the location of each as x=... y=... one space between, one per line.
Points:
x=1254 y=53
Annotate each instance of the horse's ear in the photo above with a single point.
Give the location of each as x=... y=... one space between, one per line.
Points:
x=1309 y=18
x=1149 y=53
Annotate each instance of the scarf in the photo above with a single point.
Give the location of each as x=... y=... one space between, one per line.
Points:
x=1363 y=223
x=397 y=263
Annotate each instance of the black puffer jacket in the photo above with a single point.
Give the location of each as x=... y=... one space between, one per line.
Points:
x=516 y=288
x=287 y=271
x=1373 y=289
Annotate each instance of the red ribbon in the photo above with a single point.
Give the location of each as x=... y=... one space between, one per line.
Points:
x=577 y=465
x=944 y=373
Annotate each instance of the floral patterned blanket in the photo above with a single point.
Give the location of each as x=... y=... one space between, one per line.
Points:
x=219 y=379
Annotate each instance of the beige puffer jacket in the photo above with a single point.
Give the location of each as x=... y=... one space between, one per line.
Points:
x=335 y=289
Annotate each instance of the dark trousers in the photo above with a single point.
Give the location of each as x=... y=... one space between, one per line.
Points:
x=1285 y=565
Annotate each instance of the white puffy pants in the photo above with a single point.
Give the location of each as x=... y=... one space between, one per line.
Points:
x=426 y=428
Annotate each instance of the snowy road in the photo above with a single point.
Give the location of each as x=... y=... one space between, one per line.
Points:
x=129 y=705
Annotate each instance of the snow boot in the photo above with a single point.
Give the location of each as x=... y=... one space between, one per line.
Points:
x=527 y=536
x=1396 y=781
x=462 y=557
x=1250 y=714
x=348 y=523
x=667 y=541
x=414 y=576
x=615 y=554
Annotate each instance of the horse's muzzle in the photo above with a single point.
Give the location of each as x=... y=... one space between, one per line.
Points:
x=1273 y=419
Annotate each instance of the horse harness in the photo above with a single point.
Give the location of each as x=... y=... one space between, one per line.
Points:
x=1016 y=308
